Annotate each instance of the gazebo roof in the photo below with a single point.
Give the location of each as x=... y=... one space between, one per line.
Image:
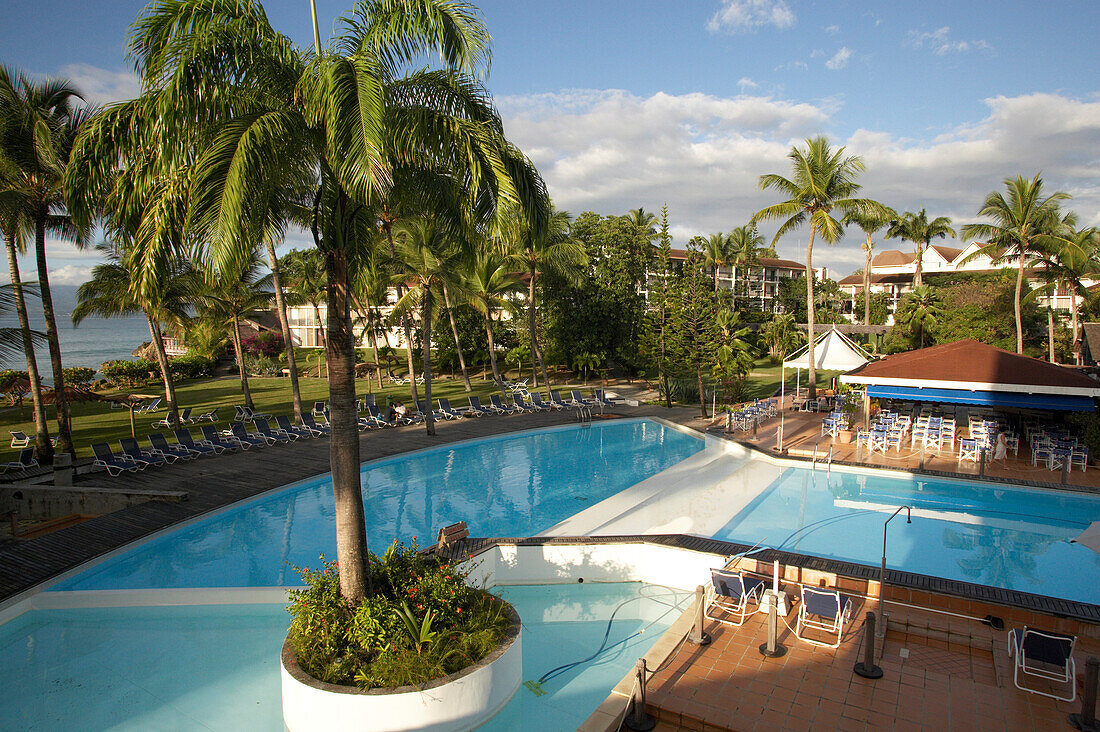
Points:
x=953 y=371
x=833 y=351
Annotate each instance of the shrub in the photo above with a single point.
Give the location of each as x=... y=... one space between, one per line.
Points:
x=262 y=365
x=191 y=366
x=129 y=373
x=79 y=375
x=264 y=343
x=422 y=623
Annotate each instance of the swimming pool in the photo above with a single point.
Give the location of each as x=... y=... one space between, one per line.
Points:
x=998 y=535
x=217 y=667
x=510 y=485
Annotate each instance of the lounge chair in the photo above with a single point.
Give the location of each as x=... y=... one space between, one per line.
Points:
x=115 y=464
x=211 y=435
x=290 y=428
x=395 y=379
x=265 y=431
x=422 y=410
x=1046 y=655
x=601 y=398
x=577 y=399
x=240 y=432
x=132 y=450
x=447 y=410
x=521 y=405
x=161 y=447
x=26 y=460
x=150 y=407
x=249 y=414
x=824 y=610
x=556 y=400
x=729 y=595
x=203 y=447
x=369 y=401
x=538 y=403
x=477 y=409
x=168 y=423
x=374 y=416
x=498 y=406
x=314 y=426
x=211 y=416
x=319 y=410
x=19 y=440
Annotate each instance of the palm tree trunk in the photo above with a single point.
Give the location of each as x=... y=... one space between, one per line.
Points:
x=536 y=352
x=240 y=363
x=1019 y=305
x=288 y=341
x=1074 y=326
x=42 y=444
x=351 y=533
x=320 y=326
x=1050 y=330
x=492 y=348
x=406 y=327
x=867 y=284
x=458 y=343
x=426 y=316
x=811 y=370
x=61 y=405
x=165 y=371
x=374 y=343
x=918 y=273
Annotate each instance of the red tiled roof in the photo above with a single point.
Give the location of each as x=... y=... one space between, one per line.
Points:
x=948 y=253
x=971 y=361
x=891 y=258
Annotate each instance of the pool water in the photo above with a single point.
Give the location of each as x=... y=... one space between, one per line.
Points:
x=217 y=667
x=512 y=485
x=1002 y=536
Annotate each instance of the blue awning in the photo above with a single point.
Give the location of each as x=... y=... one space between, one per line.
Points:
x=1014 y=400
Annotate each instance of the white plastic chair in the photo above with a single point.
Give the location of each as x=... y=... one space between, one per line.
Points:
x=1045 y=655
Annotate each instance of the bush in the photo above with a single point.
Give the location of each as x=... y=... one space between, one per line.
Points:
x=264 y=343
x=191 y=366
x=79 y=375
x=262 y=365
x=422 y=623
x=127 y=374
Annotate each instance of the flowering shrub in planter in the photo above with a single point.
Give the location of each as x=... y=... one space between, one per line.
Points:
x=422 y=622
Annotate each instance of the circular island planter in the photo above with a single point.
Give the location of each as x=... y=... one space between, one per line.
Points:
x=461 y=701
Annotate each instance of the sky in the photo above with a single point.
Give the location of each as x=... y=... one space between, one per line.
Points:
x=622 y=105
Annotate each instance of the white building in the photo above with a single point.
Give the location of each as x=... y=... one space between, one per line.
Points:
x=763 y=278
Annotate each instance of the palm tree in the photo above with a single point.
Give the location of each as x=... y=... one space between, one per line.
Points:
x=586 y=362
x=552 y=249
x=781 y=336
x=425 y=261
x=231 y=294
x=370 y=291
x=716 y=253
x=40 y=122
x=109 y=294
x=823 y=180
x=13 y=226
x=916 y=227
x=304 y=274
x=1065 y=264
x=745 y=244
x=920 y=310
x=284 y=325
x=1020 y=226
x=488 y=283
x=645 y=223
x=340 y=124
x=869 y=222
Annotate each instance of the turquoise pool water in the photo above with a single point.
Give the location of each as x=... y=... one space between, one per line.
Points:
x=1002 y=536
x=512 y=485
x=217 y=667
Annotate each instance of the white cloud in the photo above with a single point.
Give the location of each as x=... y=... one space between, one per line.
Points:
x=736 y=16
x=832 y=30
x=746 y=83
x=610 y=151
x=793 y=66
x=840 y=59
x=941 y=43
x=102 y=86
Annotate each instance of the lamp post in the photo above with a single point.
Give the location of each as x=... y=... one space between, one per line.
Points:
x=882 y=569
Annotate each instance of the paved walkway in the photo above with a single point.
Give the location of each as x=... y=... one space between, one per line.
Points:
x=215 y=482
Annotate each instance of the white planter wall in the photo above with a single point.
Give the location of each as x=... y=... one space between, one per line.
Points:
x=461 y=701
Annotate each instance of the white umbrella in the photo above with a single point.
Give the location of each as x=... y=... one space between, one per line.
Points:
x=1090 y=537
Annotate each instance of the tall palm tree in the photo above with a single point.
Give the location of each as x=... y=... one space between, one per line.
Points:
x=370 y=290
x=13 y=226
x=920 y=310
x=304 y=274
x=645 y=223
x=39 y=122
x=339 y=123
x=869 y=222
x=745 y=244
x=108 y=294
x=916 y=227
x=1066 y=263
x=552 y=249
x=284 y=325
x=716 y=253
x=488 y=282
x=823 y=181
x=1019 y=227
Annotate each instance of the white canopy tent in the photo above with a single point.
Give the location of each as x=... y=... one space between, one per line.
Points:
x=833 y=351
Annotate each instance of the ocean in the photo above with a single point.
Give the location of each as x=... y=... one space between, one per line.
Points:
x=95 y=341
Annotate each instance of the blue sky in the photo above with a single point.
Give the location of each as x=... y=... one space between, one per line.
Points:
x=634 y=104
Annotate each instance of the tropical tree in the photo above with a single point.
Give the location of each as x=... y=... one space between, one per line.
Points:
x=284 y=324
x=109 y=294
x=659 y=289
x=488 y=284
x=716 y=253
x=540 y=252
x=823 y=180
x=781 y=336
x=644 y=223
x=39 y=122
x=870 y=222
x=916 y=227
x=1017 y=230
x=745 y=245
x=586 y=362
x=1066 y=264
x=733 y=360
x=303 y=273
x=370 y=287
x=920 y=310
x=693 y=336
